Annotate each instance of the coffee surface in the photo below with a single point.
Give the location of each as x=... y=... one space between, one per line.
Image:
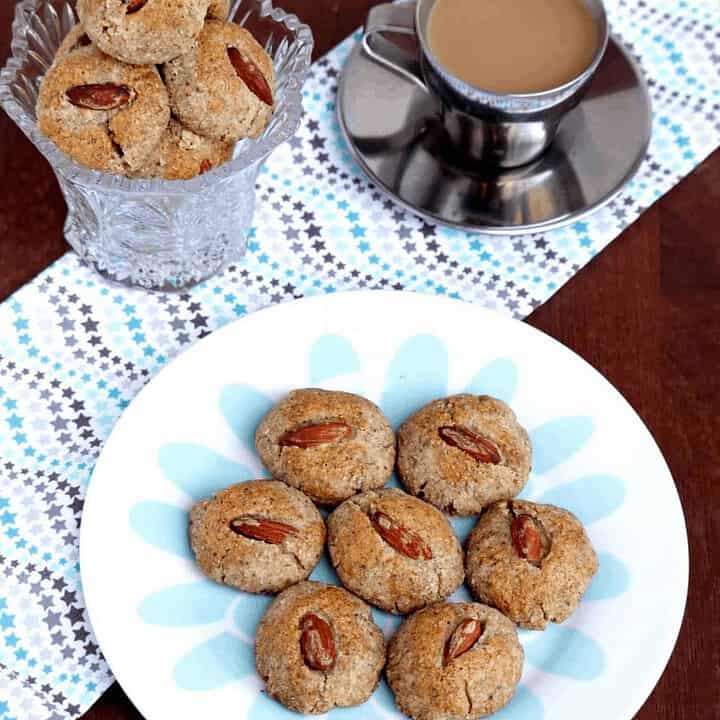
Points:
x=513 y=46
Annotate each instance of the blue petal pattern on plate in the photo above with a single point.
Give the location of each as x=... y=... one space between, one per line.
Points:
x=217 y=662
x=591 y=498
x=558 y=440
x=330 y=357
x=170 y=607
x=523 y=706
x=243 y=407
x=249 y=611
x=199 y=471
x=567 y=651
x=612 y=579
x=161 y=525
x=417 y=374
x=499 y=379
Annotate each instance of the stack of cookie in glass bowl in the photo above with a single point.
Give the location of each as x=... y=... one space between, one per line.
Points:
x=317 y=646
x=155 y=88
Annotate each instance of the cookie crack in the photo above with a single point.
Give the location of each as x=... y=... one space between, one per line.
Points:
x=469 y=698
x=293 y=555
x=321 y=694
x=117 y=147
x=438 y=579
x=222 y=563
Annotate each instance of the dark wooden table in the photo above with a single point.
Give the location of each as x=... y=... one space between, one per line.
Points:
x=645 y=312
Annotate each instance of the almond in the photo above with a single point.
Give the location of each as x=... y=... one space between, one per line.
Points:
x=269 y=531
x=476 y=446
x=102 y=96
x=317 y=643
x=249 y=73
x=465 y=635
x=526 y=539
x=399 y=538
x=317 y=434
x=134 y=5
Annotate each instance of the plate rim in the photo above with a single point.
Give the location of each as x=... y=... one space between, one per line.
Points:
x=642 y=690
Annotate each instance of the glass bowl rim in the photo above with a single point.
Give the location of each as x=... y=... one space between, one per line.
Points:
x=252 y=151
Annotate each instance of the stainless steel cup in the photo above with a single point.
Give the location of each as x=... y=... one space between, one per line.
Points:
x=485 y=127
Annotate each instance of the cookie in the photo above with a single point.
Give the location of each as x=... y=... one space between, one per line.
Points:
x=532 y=562
x=454 y=661
x=259 y=536
x=464 y=452
x=330 y=445
x=223 y=86
x=317 y=648
x=395 y=551
x=147 y=32
x=103 y=113
x=182 y=155
x=76 y=39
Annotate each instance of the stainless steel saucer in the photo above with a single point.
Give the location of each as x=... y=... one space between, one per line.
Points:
x=394 y=132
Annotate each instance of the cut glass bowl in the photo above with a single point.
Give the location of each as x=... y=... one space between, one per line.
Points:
x=158 y=234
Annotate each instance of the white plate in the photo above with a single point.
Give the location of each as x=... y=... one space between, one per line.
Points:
x=181 y=646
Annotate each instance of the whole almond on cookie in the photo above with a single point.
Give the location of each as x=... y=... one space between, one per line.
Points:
x=248 y=72
x=99 y=96
x=317 y=643
x=526 y=539
x=475 y=445
x=463 y=638
x=316 y=434
x=405 y=541
x=269 y=531
x=132 y=6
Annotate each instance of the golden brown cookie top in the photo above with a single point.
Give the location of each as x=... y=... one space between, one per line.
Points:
x=531 y=561
x=454 y=660
x=182 y=154
x=76 y=39
x=331 y=445
x=146 y=32
x=317 y=648
x=103 y=113
x=395 y=551
x=258 y=536
x=223 y=86
x=463 y=452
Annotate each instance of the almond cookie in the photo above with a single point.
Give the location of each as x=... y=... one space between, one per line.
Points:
x=454 y=661
x=182 y=155
x=330 y=445
x=103 y=113
x=259 y=536
x=146 y=32
x=395 y=551
x=77 y=38
x=223 y=86
x=463 y=452
x=317 y=648
x=532 y=562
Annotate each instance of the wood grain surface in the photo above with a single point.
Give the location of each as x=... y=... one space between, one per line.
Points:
x=645 y=313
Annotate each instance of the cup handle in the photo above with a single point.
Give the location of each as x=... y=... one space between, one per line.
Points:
x=397 y=18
